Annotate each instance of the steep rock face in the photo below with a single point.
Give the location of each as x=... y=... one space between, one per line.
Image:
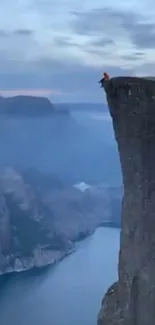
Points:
x=132 y=106
x=5 y=229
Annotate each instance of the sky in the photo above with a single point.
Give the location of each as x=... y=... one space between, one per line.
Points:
x=60 y=48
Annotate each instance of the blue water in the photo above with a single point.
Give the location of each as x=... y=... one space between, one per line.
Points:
x=68 y=294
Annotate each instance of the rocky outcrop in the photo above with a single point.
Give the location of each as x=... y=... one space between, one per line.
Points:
x=41 y=217
x=132 y=107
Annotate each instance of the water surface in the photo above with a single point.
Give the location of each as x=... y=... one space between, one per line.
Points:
x=68 y=294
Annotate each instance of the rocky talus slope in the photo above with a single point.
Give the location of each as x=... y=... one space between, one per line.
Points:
x=131 y=301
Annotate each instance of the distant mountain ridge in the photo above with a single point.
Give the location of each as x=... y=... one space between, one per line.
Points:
x=28 y=106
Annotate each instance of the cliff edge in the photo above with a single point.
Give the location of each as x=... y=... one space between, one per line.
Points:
x=131 y=301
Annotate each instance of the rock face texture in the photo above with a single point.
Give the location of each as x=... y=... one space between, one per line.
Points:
x=5 y=229
x=131 y=301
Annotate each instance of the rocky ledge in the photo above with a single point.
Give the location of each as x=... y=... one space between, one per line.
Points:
x=132 y=107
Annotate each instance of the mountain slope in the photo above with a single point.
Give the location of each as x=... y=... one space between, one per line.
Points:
x=41 y=217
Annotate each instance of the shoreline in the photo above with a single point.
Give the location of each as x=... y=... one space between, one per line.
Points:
x=62 y=255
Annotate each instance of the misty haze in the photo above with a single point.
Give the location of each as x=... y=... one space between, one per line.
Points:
x=60 y=180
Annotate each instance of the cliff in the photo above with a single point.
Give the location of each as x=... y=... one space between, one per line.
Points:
x=131 y=301
x=41 y=217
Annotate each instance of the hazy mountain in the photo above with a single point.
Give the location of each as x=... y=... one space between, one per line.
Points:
x=61 y=145
x=82 y=106
x=41 y=217
x=25 y=106
x=55 y=191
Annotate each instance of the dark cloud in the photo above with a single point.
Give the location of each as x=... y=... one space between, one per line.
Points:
x=88 y=23
x=16 y=32
x=131 y=57
x=139 y=53
x=102 y=42
x=143 y=35
x=64 y=42
x=17 y=46
x=111 y=23
x=99 y=21
x=23 y=32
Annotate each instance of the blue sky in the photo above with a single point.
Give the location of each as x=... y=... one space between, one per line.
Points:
x=60 y=48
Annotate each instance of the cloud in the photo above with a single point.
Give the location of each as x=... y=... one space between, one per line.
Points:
x=16 y=32
x=66 y=45
x=133 y=56
x=23 y=32
x=143 y=35
x=113 y=25
x=19 y=32
x=146 y=69
x=30 y=92
x=101 y=42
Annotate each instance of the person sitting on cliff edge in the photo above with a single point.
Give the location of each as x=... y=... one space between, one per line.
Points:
x=105 y=77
